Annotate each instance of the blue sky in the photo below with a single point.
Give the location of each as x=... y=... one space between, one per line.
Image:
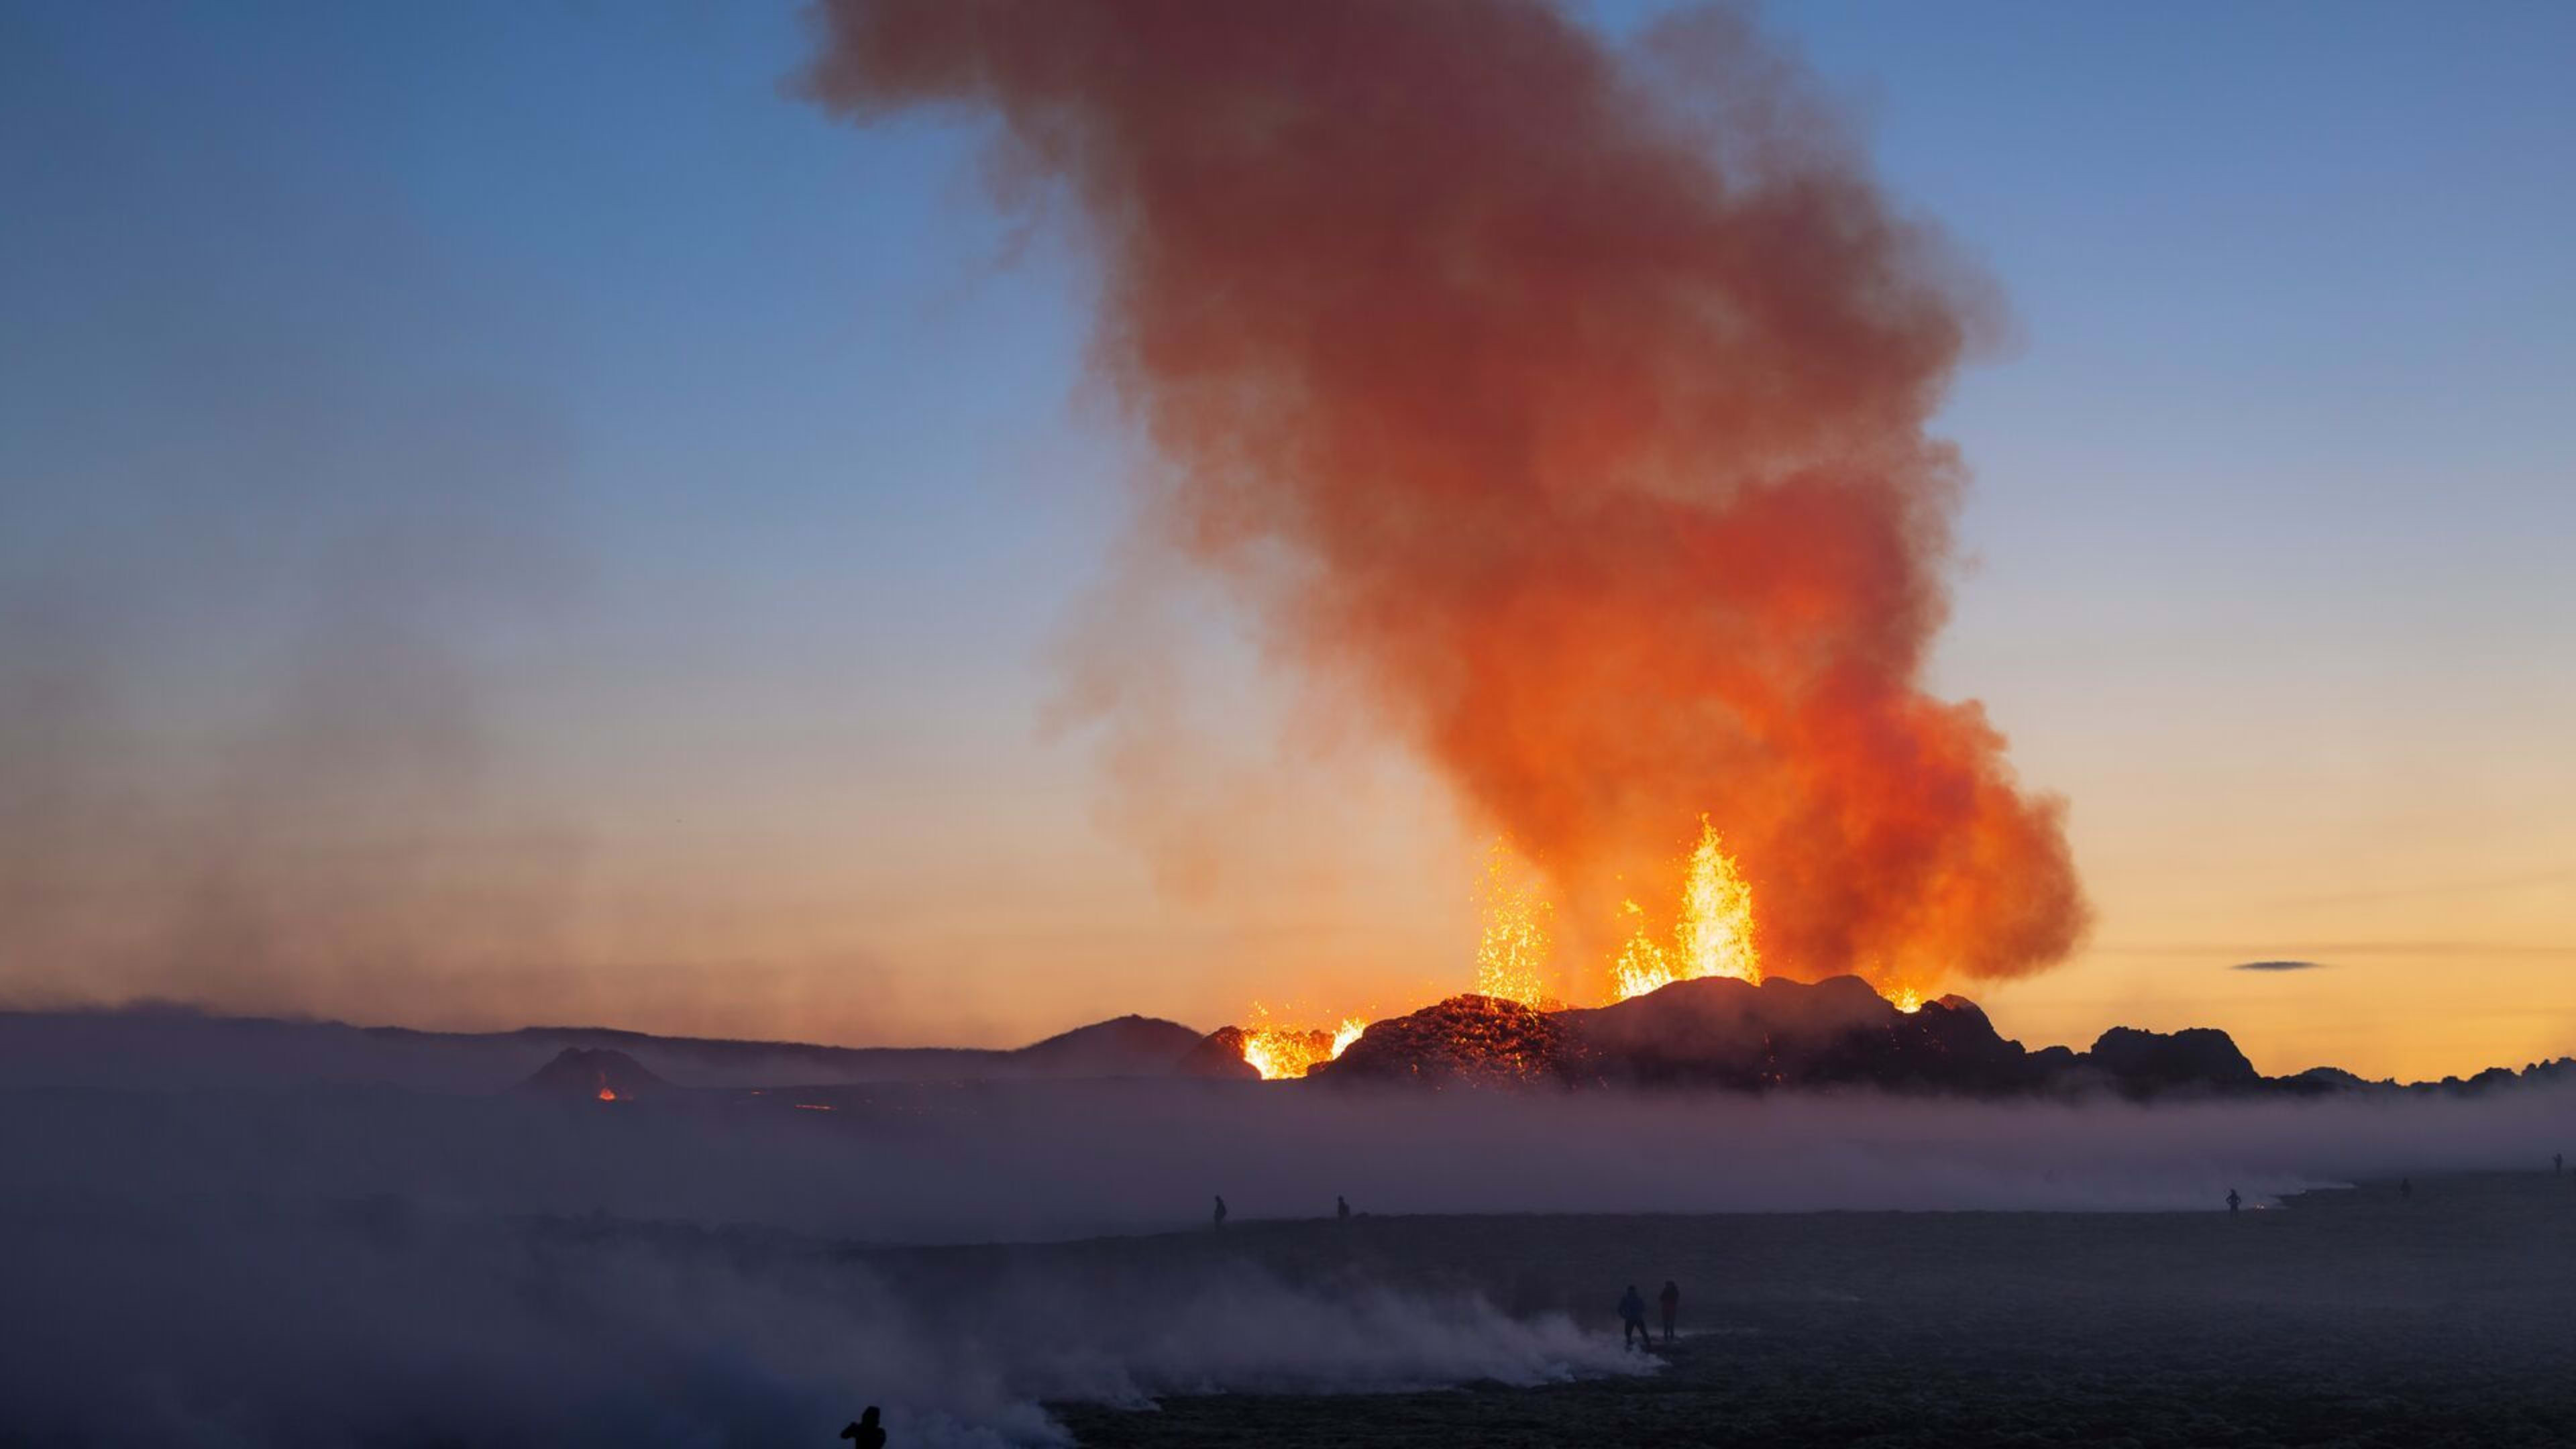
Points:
x=734 y=473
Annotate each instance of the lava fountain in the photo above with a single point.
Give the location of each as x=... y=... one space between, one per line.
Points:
x=1277 y=1051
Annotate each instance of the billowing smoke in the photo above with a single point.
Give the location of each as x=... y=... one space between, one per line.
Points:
x=1567 y=400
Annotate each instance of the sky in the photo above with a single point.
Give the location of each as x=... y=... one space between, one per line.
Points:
x=509 y=515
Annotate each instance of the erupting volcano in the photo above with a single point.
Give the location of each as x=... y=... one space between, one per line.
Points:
x=1564 y=401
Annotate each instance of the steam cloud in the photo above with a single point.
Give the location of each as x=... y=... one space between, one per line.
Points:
x=1567 y=402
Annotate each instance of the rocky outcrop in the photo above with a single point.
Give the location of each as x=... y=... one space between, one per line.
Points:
x=1465 y=1041
x=1780 y=1035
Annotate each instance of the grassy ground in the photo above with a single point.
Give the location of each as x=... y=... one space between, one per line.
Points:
x=2344 y=1318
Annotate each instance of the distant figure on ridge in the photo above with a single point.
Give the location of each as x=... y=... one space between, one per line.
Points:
x=1220 y=1212
x=2406 y=1188
x=1341 y=1207
x=865 y=1433
x=1671 y=1301
x=1632 y=1319
x=2557 y=1162
x=2233 y=1201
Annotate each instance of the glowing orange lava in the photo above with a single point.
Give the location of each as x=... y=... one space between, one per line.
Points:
x=1511 y=954
x=1277 y=1051
x=1713 y=934
x=606 y=1094
x=1713 y=937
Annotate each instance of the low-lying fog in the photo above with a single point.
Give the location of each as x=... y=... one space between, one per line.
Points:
x=345 y=1265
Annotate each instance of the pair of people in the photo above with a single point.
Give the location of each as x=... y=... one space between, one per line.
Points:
x=1632 y=1314
x=1341 y=1210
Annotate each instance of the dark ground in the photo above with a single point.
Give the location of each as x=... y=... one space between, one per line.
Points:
x=2343 y=1318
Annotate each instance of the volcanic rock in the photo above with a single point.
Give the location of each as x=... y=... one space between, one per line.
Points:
x=1469 y=1041
x=1719 y=1032
x=2149 y=1063
x=597 y=1075
x=1219 y=1054
x=1712 y=1032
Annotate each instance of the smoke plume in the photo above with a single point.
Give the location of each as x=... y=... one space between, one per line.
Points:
x=1565 y=400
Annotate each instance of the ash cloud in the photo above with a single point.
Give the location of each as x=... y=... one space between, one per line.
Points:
x=1560 y=407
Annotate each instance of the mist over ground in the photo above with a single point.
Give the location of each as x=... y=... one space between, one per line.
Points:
x=340 y=1265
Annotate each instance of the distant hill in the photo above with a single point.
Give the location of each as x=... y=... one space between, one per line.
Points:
x=594 y=1076
x=162 y=1047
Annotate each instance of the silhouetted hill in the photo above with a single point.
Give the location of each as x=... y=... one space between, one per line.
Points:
x=1714 y=1032
x=1782 y=1035
x=1219 y=1054
x=1124 y=1046
x=2145 y=1062
x=598 y=1075
x=166 y=1047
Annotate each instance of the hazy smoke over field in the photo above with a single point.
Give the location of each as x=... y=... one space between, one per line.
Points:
x=375 y=1266
x=1564 y=401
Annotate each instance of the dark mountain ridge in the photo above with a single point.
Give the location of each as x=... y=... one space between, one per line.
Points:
x=1708 y=1034
x=1836 y=1033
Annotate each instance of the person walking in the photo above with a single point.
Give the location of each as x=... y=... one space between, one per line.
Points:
x=1670 y=1300
x=1220 y=1212
x=1632 y=1319
x=2233 y=1201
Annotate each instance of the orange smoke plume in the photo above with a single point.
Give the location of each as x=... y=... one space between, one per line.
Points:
x=1566 y=398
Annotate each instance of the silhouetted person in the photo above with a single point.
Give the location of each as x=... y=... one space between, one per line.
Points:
x=865 y=1433
x=2233 y=1201
x=1220 y=1214
x=2406 y=1188
x=1341 y=1207
x=1632 y=1319
x=2558 y=1162
x=1671 y=1302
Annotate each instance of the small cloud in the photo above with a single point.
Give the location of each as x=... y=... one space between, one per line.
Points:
x=2278 y=966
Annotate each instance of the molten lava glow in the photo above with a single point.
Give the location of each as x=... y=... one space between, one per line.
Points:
x=1511 y=956
x=606 y=1094
x=1714 y=936
x=1348 y=1032
x=1906 y=999
x=1292 y=1051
